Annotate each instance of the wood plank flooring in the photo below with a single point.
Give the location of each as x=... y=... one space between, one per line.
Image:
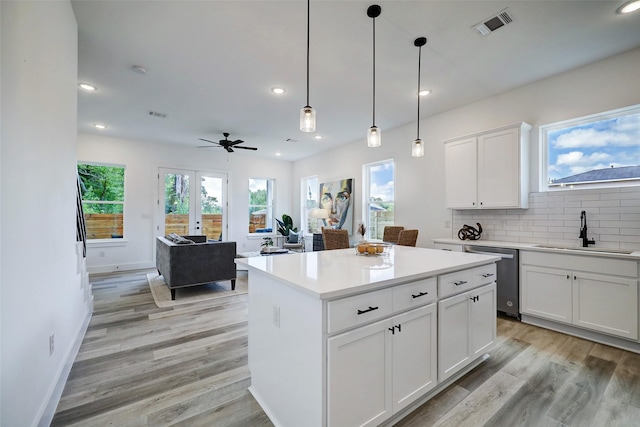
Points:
x=140 y=365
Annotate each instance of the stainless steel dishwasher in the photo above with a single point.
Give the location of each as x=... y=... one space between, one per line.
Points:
x=508 y=280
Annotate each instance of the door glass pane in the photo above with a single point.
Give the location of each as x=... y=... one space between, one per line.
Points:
x=176 y=204
x=381 y=196
x=211 y=207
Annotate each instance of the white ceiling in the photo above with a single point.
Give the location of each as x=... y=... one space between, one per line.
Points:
x=211 y=64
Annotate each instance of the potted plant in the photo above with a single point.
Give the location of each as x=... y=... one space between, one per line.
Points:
x=286 y=225
x=267 y=244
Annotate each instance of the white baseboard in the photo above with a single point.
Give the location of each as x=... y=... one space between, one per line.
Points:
x=56 y=393
x=112 y=268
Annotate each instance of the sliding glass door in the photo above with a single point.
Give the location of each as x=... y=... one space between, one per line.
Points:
x=192 y=203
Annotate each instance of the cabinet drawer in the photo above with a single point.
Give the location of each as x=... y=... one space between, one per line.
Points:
x=485 y=274
x=415 y=294
x=358 y=309
x=453 y=283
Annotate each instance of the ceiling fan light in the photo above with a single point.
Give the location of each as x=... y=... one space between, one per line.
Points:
x=418 y=148
x=374 y=137
x=307 y=119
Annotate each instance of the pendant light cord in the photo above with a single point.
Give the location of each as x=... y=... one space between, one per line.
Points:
x=308 y=44
x=419 y=62
x=374 y=71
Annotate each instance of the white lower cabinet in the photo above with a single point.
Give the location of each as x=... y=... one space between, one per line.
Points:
x=581 y=295
x=466 y=328
x=547 y=293
x=378 y=369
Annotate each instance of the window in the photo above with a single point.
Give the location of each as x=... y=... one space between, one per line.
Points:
x=260 y=205
x=379 y=197
x=602 y=150
x=309 y=205
x=102 y=188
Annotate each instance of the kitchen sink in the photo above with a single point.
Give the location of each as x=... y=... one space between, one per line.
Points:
x=592 y=249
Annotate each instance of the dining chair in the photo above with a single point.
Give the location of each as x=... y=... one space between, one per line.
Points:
x=391 y=232
x=407 y=237
x=335 y=239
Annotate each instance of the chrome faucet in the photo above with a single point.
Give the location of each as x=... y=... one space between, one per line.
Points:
x=583 y=231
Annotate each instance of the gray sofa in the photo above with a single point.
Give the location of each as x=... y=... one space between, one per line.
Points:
x=195 y=262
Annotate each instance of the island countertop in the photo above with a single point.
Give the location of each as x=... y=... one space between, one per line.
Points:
x=339 y=273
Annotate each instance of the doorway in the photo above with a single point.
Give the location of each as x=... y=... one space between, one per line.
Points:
x=192 y=203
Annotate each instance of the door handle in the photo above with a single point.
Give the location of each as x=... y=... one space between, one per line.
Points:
x=419 y=294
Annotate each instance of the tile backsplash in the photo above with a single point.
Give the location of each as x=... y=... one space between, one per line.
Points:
x=613 y=219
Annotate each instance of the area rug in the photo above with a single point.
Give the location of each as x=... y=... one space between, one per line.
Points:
x=162 y=294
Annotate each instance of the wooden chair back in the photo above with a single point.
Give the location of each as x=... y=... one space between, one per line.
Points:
x=408 y=237
x=335 y=239
x=391 y=233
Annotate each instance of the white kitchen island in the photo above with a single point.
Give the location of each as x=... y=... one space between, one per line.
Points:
x=339 y=339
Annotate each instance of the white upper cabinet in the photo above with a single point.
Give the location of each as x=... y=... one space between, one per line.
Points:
x=488 y=170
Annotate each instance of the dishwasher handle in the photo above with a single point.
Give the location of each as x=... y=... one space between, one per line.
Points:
x=504 y=256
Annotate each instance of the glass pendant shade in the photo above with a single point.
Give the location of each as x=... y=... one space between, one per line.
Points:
x=374 y=137
x=418 y=148
x=308 y=119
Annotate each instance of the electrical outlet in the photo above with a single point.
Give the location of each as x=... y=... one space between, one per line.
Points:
x=276 y=316
x=51 y=344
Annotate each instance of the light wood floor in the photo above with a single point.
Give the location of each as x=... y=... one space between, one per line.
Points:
x=140 y=365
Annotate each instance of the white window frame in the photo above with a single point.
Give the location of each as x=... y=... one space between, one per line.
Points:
x=270 y=222
x=306 y=184
x=366 y=191
x=544 y=151
x=112 y=241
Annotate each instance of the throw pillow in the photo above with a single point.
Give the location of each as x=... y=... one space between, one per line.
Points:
x=293 y=237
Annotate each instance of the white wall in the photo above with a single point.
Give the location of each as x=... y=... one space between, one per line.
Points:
x=40 y=288
x=419 y=182
x=142 y=215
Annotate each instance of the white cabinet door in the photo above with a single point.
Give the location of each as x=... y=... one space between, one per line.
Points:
x=414 y=355
x=359 y=376
x=605 y=303
x=461 y=173
x=466 y=328
x=547 y=293
x=453 y=335
x=488 y=170
x=499 y=169
x=482 y=320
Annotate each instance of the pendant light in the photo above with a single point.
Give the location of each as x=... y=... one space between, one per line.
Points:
x=308 y=114
x=374 y=134
x=418 y=146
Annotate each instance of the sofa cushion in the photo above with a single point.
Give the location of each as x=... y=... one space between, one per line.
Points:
x=293 y=237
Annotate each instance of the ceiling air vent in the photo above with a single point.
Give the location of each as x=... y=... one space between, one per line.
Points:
x=156 y=114
x=499 y=20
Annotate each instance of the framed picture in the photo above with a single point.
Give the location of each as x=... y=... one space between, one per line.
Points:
x=335 y=204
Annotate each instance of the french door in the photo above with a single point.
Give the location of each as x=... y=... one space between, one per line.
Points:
x=192 y=203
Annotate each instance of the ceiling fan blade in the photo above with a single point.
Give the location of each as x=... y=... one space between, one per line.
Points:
x=209 y=146
x=206 y=140
x=248 y=148
x=236 y=142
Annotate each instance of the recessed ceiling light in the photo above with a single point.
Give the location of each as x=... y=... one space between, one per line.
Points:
x=318 y=137
x=278 y=90
x=629 y=7
x=99 y=126
x=87 y=87
x=424 y=92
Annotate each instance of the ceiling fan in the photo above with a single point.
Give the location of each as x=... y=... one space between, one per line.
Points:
x=226 y=144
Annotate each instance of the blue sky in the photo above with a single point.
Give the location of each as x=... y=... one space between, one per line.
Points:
x=595 y=145
x=382 y=181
